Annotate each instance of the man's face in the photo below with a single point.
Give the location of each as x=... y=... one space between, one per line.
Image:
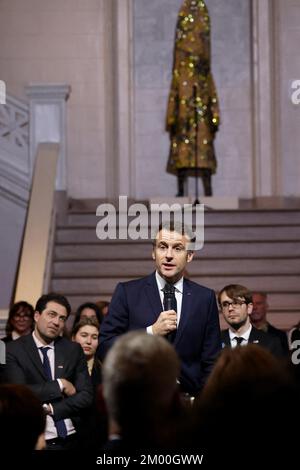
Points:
x=171 y=255
x=50 y=322
x=260 y=307
x=235 y=311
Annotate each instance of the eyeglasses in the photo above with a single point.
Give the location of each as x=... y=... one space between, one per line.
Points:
x=235 y=304
x=22 y=315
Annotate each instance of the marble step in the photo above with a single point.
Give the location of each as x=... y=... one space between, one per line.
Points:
x=199 y=267
x=111 y=250
x=263 y=217
x=233 y=234
x=105 y=285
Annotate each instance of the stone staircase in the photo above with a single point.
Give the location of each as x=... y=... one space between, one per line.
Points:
x=257 y=248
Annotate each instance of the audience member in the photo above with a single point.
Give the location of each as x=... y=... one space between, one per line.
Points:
x=141 y=393
x=88 y=309
x=54 y=368
x=86 y=333
x=20 y=321
x=22 y=420
x=94 y=427
x=103 y=305
x=249 y=400
x=258 y=319
x=294 y=343
x=236 y=305
x=294 y=335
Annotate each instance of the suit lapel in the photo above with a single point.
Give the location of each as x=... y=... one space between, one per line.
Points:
x=153 y=296
x=254 y=336
x=226 y=338
x=33 y=355
x=186 y=309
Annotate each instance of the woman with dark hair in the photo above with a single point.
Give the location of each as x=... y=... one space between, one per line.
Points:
x=20 y=321
x=88 y=309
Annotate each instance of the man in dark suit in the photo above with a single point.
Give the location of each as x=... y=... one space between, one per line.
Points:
x=236 y=304
x=54 y=368
x=258 y=319
x=166 y=304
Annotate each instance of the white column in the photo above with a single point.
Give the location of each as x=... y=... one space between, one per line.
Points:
x=48 y=123
x=265 y=161
x=125 y=97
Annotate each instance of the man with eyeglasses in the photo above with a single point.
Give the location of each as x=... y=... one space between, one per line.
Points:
x=166 y=304
x=236 y=304
x=55 y=369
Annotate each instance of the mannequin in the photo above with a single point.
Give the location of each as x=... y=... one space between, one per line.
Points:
x=193 y=112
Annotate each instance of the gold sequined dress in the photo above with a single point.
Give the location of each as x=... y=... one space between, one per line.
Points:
x=192 y=82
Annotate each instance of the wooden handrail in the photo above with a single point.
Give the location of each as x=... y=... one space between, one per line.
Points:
x=34 y=256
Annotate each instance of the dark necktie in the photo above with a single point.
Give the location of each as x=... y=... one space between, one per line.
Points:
x=239 y=340
x=170 y=303
x=60 y=424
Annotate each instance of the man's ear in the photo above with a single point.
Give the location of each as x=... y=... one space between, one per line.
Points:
x=190 y=256
x=153 y=254
x=36 y=315
x=250 y=308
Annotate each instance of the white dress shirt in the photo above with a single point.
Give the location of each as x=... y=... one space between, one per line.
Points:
x=51 y=432
x=245 y=336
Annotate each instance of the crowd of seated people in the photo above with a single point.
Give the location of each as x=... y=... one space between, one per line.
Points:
x=132 y=400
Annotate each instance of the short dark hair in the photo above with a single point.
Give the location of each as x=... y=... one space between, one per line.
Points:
x=178 y=227
x=52 y=297
x=22 y=305
x=236 y=291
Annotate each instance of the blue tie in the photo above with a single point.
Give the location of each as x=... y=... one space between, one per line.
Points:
x=60 y=424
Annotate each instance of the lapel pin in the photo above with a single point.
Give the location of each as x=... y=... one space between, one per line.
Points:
x=60 y=367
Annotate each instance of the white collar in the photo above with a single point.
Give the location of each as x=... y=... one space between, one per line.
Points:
x=161 y=282
x=245 y=335
x=39 y=344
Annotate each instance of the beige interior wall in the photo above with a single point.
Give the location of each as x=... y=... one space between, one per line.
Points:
x=63 y=41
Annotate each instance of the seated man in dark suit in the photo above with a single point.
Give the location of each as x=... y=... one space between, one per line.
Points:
x=54 y=368
x=236 y=305
x=258 y=319
x=167 y=304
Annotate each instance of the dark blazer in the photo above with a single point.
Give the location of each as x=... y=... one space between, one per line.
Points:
x=7 y=339
x=24 y=366
x=260 y=338
x=137 y=305
x=281 y=335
